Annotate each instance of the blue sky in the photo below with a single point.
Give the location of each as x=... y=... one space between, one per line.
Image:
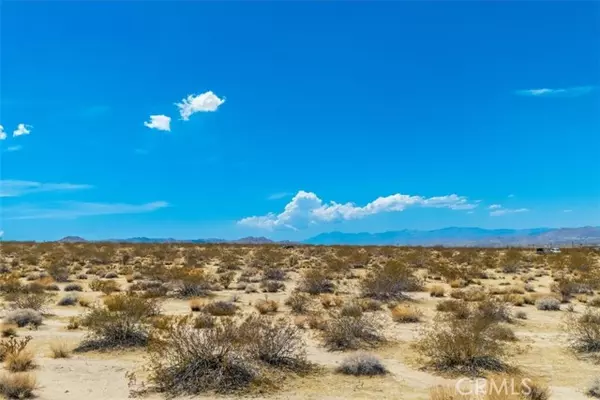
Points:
x=296 y=118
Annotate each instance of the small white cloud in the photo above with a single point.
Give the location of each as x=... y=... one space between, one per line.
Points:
x=73 y=209
x=1 y=234
x=494 y=206
x=13 y=188
x=13 y=148
x=510 y=196
x=564 y=92
x=307 y=208
x=505 y=211
x=2 y=133
x=205 y=102
x=22 y=129
x=160 y=122
x=567 y=211
x=280 y=195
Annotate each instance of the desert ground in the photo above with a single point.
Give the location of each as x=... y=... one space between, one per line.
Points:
x=114 y=321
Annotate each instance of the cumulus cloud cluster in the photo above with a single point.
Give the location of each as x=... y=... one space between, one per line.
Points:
x=307 y=208
x=22 y=129
x=189 y=105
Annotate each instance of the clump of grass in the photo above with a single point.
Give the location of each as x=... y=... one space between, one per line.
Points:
x=84 y=301
x=204 y=321
x=362 y=365
x=521 y=315
x=437 y=291
x=196 y=304
x=220 y=308
x=9 y=330
x=548 y=304
x=351 y=310
x=20 y=361
x=370 y=305
x=266 y=306
x=106 y=287
x=300 y=303
x=33 y=301
x=24 y=317
x=459 y=308
x=331 y=301
x=405 y=314
x=18 y=386
x=60 y=349
x=351 y=333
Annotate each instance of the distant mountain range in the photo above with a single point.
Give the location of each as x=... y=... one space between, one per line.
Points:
x=452 y=236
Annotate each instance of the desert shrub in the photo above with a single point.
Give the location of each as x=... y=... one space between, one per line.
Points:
x=251 y=288
x=584 y=331
x=351 y=310
x=19 y=361
x=106 y=287
x=370 y=305
x=111 y=275
x=274 y=274
x=594 y=301
x=316 y=321
x=390 y=282
x=193 y=284
x=8 y=330
x=229 y=357
x=437 y=291
x=494 y=310
x=60 y=349
x=403 y=313
x=82 y=276
x=521 y=315
x=548 y=304
x=52 y=287
x=504 y=333
x=266 y=306
x=196 y=305
x=18 y=386
x=464 y=345
x=362 y=365
x=59 y=272
x=351 y=333
x=459 y=308
x=220 y=308
x=34 y=301
x=204 y=321
x=24 y=317
x=13 y=346
x=84 y=301
x=331 y=301
x=69 y=300
x=272 y=286
x=593 y=389
x=300 y=303
x=73 y=287
x=74 y=323
x=122 y=322
x=316 y=281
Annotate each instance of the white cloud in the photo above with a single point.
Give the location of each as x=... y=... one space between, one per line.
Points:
x=307 y=208
x=564 y=92
x=14 y=188
x=22 y=129
x=13 y=148
x=505 y=211
x=510 y=196
x=1 y=234
x=567 y=211
x=72 y=210
x=205 y=102
x=160 y=122
x=494 y=206
x=279 y=195
x=2 y=133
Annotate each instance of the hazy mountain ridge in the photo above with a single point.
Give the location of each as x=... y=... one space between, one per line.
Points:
x=452 y=236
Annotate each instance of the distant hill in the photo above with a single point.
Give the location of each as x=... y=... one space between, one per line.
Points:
x=72 y=239
x=454 y=236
